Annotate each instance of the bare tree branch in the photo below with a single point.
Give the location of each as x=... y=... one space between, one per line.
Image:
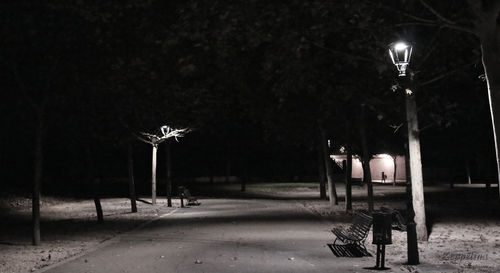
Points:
x=461 y=28
x=396 y=127
x=441 y=22
x=168 y=132
x=437 y=14
x=143 y=140
x=430 y=50
x=445 y=22
x=406 y=24
x=426 y=127
x=175 y=133
x=442 y=76
x=345 y=54
x=405 y=14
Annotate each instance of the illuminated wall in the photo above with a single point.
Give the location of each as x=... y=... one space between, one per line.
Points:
x=378 y=164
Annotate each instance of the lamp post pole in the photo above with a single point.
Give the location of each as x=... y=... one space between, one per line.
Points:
x=413 y=142
x=400 y=54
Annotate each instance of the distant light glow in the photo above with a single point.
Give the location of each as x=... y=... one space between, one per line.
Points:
x=400 y=46
x=385 y=156
x=386 y=159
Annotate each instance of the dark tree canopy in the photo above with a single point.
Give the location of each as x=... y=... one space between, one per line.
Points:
x=250 y=77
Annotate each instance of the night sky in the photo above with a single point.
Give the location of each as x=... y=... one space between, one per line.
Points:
x=256 y=81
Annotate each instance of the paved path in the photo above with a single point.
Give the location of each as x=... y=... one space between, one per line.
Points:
x=221 y=236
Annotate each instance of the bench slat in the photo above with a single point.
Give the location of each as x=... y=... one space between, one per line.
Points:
x=357 y=231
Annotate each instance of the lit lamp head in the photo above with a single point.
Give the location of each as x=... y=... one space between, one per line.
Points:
x=165 y=130
x=400 y=53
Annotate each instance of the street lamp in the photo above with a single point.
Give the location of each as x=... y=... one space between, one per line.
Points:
x=400 y=53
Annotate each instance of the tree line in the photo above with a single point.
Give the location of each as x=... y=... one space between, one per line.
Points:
x=242 y=73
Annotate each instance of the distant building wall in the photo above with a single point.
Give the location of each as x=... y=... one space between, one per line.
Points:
x=378 y=164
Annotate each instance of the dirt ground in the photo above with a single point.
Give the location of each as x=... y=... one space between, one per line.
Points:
x=464 y=222
x=464 y=233
x=68 y=228
x=464 y=225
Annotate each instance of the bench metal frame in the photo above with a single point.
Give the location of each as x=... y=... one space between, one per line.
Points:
x=357 y=232
x=191 y=199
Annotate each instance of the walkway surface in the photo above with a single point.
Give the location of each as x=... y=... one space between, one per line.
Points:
x=224 y=235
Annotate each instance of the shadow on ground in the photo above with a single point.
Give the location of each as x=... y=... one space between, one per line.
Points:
x=349 y=250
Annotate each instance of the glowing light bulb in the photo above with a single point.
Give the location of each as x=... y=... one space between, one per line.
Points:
x=400 y=46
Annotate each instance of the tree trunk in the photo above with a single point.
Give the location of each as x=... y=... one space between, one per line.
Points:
x=153 y=174
x=243 y=187
x=321 y=171
x=395 y=160
x=37 y=178
x=332 y=191
x=348 y=170
x=467 y=171
x=168 y=153
x=411 y=231
x=228 y=168
x=228 y=162
x=39 y=109
x=491 y=64
x=348 y=180
x=97 y=199
x=367 y=179
x=365 y=161
x=417 y=183
x=212 y=172
x=94 y=185
x=131 y=182
x=245 y=177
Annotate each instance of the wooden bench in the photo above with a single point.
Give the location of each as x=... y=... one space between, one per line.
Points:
x=398 y=221
x=357 y=232
x=191 y=200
